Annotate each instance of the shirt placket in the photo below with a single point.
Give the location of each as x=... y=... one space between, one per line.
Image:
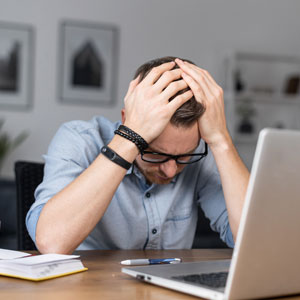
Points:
x=154 y=230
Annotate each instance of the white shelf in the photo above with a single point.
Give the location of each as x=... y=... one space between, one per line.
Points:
x=268 y=98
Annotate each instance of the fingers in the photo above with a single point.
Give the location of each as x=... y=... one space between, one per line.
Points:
x=166 y=78
x=199 y=87
x=164 y=81
x=156 y=72
x=173 y=88
x=199 y=79
x=180 y=100
x=195 y=76
x=186 y=66
x=195 y=87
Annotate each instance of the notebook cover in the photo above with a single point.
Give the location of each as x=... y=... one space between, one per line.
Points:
x=43 y=278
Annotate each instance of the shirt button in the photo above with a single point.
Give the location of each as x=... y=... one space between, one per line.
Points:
x=148 y=195
x=154 y=231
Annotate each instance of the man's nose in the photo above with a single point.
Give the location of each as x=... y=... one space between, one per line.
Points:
x=169 y=168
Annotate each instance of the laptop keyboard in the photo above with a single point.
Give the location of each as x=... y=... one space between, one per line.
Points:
x=214 y=280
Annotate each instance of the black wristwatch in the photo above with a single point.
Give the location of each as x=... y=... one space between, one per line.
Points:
x=114 y=157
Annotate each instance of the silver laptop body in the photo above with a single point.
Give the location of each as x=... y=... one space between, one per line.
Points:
x=266 y=257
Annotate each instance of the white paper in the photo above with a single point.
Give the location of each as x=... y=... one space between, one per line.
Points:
x=40 y=259
x=11 y=254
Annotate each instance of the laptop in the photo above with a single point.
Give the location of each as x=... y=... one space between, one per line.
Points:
x=266 y=256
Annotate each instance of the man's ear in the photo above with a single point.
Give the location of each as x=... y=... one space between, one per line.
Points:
x=123 y=115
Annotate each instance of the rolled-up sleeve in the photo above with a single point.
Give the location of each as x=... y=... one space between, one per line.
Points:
x=32 y=219
x=70 y=153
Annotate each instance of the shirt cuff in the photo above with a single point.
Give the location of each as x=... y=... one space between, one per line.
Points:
x=229 y=238
x=32 y=219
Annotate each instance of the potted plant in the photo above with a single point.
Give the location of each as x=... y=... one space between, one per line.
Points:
x=8 y=144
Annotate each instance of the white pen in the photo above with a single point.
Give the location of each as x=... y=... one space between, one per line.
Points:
x=155 y=261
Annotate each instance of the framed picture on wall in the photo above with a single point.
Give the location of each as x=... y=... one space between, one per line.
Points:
x=88 y=63
x=16 y=65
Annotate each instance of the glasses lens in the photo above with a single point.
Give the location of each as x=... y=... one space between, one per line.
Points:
x=189 y=159
x=184 y=159
x=154 y=158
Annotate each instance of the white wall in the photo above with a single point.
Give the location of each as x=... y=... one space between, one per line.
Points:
x=203 y=31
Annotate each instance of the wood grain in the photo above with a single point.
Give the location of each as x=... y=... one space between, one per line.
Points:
x=104 y=279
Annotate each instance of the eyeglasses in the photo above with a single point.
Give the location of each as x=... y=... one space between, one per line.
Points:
x=184 y=159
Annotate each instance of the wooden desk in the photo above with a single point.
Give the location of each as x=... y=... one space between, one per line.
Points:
x=104 y=279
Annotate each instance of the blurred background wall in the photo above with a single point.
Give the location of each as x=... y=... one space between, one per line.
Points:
x=203 y=31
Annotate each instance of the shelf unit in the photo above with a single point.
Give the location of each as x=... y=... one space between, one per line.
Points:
x=260 y=91
x=265 y=98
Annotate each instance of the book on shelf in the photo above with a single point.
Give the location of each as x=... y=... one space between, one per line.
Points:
x=41 y=267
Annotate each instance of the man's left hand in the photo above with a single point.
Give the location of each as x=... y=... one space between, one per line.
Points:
x=212 y=124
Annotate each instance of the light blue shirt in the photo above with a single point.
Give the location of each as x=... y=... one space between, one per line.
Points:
x=140 y=216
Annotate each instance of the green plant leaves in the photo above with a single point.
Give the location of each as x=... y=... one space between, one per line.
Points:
x=7 y=144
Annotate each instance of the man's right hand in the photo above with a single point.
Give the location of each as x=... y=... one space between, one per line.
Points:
x=147 y=106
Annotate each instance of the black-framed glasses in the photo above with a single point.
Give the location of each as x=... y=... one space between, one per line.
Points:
x=184 y=159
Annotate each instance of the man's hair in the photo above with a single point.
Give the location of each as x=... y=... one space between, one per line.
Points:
x=188 y=113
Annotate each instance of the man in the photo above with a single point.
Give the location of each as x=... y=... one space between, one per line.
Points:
x=137 y=186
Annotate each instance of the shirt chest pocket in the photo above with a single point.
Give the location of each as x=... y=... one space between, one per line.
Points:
x=180 y=213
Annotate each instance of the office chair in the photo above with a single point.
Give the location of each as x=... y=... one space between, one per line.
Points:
x=205 y=237
x=28 y=176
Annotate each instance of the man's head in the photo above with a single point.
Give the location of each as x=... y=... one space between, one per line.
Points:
x=181 y=135
x=189 y=112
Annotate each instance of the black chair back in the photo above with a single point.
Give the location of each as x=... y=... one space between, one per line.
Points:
x=205 y=237
x=28 y=176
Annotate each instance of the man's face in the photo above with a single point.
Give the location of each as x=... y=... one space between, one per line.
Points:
x=173 y=140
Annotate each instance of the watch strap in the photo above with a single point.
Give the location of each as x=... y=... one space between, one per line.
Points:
x=115 y=157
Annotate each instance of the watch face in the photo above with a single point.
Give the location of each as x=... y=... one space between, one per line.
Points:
x=111 y=154
x=108 y=153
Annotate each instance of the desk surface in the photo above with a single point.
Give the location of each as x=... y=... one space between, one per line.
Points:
x=104 y=279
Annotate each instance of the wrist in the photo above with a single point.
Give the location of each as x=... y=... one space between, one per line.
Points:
x=124 y=148
x=132 y=136
x=221 y=143
x=115 y=157
x=142 y=133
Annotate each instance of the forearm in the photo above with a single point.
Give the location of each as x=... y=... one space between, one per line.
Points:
x=234 y=177
x=68 y=218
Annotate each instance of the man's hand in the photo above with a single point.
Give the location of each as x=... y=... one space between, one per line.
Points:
x=147 y=106
x=212 y=124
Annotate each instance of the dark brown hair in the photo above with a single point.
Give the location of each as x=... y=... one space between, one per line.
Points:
x=188 y=113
